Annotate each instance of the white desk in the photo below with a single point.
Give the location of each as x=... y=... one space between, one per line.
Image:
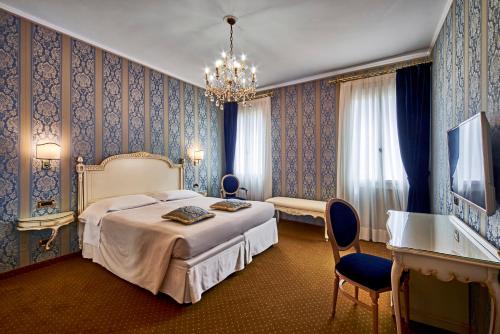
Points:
x=446 y=248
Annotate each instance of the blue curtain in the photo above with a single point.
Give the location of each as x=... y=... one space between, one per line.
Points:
x=230 y=125
x=413 y=95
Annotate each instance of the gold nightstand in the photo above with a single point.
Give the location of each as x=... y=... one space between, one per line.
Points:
x=53 y=222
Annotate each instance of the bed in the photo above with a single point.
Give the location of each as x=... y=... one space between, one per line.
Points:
x=136 y=244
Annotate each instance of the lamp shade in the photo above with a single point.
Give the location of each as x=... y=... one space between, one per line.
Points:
x=48 y=151
x=199 y=155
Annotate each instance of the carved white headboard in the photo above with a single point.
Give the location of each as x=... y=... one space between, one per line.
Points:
x=126 y=174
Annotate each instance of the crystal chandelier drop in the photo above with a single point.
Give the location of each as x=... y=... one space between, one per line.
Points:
x=232 y=80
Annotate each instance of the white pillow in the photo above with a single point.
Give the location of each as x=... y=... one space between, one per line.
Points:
x=95 y=211
x=130 y=202
x=172 y=195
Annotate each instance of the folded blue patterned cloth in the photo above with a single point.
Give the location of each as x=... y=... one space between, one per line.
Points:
x=230 y=205
x=188 y=214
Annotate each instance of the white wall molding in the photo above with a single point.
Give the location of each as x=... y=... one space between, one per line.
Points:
x=440 y=24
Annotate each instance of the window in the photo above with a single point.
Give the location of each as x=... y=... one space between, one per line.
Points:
x=252 y=161
x=371 y=174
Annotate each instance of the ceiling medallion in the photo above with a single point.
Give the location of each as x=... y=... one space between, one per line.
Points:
x=232 y=80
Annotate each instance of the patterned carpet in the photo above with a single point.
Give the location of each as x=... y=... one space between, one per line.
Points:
x=286 y=289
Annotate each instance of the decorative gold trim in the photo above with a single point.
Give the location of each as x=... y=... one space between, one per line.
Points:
x=65 y=140
x=135 y=155
x=262 y=95
x=379 y=70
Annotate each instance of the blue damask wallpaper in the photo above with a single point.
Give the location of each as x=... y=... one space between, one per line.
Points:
x=65 y=69
x=174 y=119
x=189 y=144
x=461 y=88
x=82 y=107
x=308 y=141
x=203 y=138
x=136 y=128
x=111 y=104
x=276 y=141
x=328 y=135
x=46 y=119
x=291 y=141
x=45 y=112
x=215 y=150
x=314 y=114
x=157 y=104
x=9 y=137
x=493 y=110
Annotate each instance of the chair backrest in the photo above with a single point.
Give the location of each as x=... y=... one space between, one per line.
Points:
x=342 y=226
x=230 y=184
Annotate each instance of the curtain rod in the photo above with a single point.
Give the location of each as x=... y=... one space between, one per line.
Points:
x=380 y=70
x=262 y=95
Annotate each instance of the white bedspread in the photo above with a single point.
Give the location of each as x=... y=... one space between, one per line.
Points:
x=137 y=244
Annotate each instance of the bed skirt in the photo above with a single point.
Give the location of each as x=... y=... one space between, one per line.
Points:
x=186 y=280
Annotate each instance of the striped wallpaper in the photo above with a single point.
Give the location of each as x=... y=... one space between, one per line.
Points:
x=466 y=80
x=304 y=122
x=95 y=104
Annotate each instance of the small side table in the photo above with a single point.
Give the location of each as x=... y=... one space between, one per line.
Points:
x=53 y=222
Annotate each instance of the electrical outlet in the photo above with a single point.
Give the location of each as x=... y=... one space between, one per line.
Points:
x=45 y=204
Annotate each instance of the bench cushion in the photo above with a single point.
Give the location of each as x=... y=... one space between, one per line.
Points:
x=298 y=203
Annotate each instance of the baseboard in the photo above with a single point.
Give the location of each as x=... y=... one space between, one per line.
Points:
x=439 y=322
x=38 y=265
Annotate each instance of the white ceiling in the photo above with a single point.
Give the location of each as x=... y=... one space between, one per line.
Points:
x=286 y=39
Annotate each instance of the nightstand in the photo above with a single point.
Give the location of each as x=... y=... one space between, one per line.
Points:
x=53 y=222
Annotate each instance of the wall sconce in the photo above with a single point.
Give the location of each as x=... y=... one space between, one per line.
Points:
x=198 y=156
x=48 y=152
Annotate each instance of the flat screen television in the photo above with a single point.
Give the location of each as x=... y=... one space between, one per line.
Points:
x=470 y=162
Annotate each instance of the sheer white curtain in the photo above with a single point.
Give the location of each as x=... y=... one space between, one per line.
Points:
x=371 y=175
x=252 y=161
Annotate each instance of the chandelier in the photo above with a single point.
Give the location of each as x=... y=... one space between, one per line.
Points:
x=232 y=80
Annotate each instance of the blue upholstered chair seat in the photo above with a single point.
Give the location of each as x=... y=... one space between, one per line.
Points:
x=371 y=271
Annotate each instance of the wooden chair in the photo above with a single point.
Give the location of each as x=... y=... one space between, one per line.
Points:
x=363 y=271
x=230 y=188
